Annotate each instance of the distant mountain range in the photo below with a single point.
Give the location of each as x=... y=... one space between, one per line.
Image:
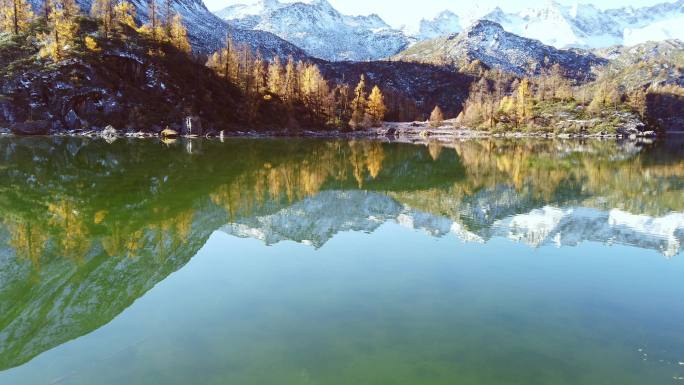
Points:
x=487 y=42
x=324 y=32
x=577 y=26
x=314 y=28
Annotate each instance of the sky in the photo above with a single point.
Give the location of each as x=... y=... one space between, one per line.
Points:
x=409 y=12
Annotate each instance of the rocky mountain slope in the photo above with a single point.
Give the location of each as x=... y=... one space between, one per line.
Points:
x=490 y=44
x=123 y=85
x=206 y=31
x=319 y=29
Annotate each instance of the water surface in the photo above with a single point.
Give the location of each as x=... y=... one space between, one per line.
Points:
x=340 y=262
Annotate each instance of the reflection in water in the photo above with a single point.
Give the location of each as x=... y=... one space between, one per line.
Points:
x=86 y=228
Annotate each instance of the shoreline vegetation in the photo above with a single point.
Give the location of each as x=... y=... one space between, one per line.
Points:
x=104 y=74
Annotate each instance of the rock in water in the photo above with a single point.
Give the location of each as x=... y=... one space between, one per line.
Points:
x=169 y=133
x=38 y=127
x=109 y=134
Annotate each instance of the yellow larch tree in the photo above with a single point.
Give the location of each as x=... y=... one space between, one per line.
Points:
x=62 y=29
x=524 y=102
x=15 y=16
x=436 y=117
x=376 y=107
x=358 y=105
x=153 y=28
x=103 y=10
x=275 y=77
x=178 y=34
x=124 y=14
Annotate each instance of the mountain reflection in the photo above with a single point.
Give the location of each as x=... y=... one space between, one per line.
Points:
x=88 y=227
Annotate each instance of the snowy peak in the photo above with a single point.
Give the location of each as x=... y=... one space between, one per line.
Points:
x=323 y=32
x=585 y=26
x=318 y=28
x=483 y=28
x=487 y=42
x=445 y=23
x=249 y=9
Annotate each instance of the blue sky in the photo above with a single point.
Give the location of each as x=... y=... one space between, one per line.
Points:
x=409 y=12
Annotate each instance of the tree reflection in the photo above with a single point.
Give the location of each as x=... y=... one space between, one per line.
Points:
x=113 y=220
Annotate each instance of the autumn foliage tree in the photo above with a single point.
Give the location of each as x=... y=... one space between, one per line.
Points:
x=306 y=93
x=62 y=29
x=436 y=117
x=178 y=34
x=103 y=10
x=124 y=14
x=15 y=16
x=376 y=107
x=358 y=104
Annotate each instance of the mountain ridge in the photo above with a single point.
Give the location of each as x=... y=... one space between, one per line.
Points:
x=576 y=26
x=318 y=28
x=488 y=43
x=323 y=32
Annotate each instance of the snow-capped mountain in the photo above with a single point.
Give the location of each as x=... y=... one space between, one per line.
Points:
x=494 y=47
x=322 y=31
x=319 y=29
x=586 y=26
x=445 y=23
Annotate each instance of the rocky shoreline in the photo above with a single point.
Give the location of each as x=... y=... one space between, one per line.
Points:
x=409 y=132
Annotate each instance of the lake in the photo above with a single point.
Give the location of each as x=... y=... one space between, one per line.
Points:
x=303 y=261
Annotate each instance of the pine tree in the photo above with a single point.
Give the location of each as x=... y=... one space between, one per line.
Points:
x=45 y=10
x=69 y=7
x=259 y=74
x=376 y=107
x=358 y=105
x=599 y=100
x=245 y=74
x=153 y=28
x=178 y=35
x=104 y=11
x=613 y=97
x=637 y=100
x=524 y=102
x=275 y=77
x=229 y=59
x=15 y=16
x=62 y=28
x=168 y=16
x=124 y=14
x=291 y=82
x=436 y=117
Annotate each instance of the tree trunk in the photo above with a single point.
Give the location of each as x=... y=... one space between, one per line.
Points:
x=16 y=17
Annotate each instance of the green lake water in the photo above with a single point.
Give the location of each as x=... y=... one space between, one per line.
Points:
x=301 y=261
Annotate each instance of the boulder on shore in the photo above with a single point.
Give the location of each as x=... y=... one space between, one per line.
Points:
x=38 y=127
